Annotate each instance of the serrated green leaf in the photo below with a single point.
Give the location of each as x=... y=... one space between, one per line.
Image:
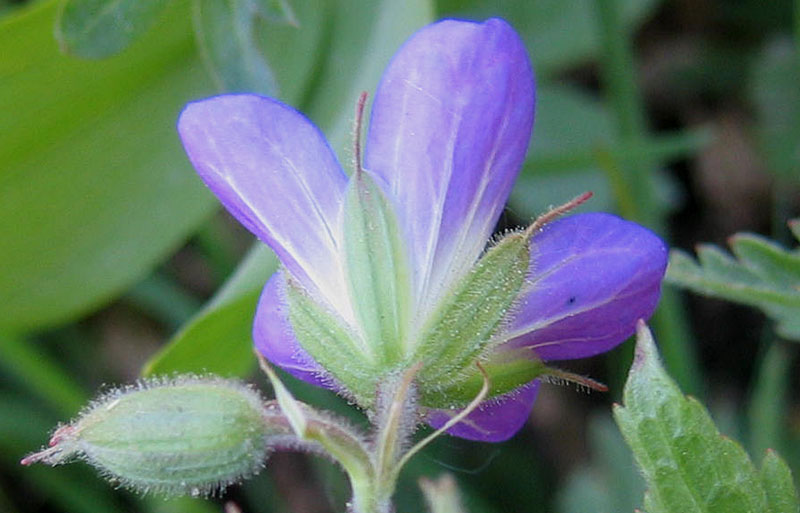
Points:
x=94 y=189
x=767 y=259
x=101 y=28
x=776 y=478
x=689 y=467
x=226 y=38
x=218 y=339
x=377 y=270
x=765 y=276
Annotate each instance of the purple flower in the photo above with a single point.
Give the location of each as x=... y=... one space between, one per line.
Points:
x=449 y=129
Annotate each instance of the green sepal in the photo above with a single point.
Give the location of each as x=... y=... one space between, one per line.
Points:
x=377 y=268
x=332 y=344
x=507 y=371
x=463 y=325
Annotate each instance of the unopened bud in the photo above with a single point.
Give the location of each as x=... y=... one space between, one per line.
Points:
x=186 y=435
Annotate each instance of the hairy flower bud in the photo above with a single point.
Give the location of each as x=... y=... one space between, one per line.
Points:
x=187 y=435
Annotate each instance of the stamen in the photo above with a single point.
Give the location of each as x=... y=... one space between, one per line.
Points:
x=556 y=212
x=357 y=129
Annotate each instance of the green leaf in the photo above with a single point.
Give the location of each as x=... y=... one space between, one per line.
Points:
x=377 y=270
x=101 y=28
x=776 y=478
x=218 y=339
x=95 y=189
x=774 y=78
x=376 y=30
x=689 y=467
x=227 y=41
x=764 y=275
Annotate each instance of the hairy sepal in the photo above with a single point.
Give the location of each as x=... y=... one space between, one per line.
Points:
x=181 y=436
x=377 y=268
x=332 y=344
x=460 y=329
x=506 y=371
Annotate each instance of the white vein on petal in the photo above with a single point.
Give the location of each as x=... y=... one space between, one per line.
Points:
x=528 y=329
x=329 y=286
x=479 y=236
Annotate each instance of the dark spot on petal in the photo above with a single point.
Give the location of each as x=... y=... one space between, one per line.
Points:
x=571 y=300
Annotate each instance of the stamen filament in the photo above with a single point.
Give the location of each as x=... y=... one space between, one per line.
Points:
x=556 y=212
x=357 y=129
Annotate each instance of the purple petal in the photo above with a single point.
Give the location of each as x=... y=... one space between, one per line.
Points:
x=592 y=277
x=496 y=420
x=274 y=171
x=274 y=338
x=450 y=126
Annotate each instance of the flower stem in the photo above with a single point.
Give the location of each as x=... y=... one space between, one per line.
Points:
x=396 y=420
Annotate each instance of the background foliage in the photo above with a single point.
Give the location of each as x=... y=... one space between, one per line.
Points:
x=116 y=262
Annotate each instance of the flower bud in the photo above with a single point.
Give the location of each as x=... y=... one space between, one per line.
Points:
x=186 y=435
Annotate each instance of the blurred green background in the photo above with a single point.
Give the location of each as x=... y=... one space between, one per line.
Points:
x=115 y=262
